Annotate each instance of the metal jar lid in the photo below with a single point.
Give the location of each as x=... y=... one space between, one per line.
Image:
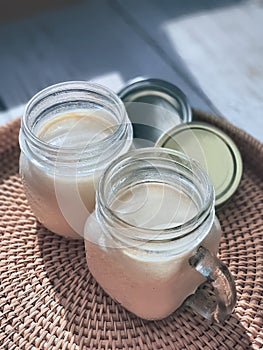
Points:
x=214 y=150
x=154 y=106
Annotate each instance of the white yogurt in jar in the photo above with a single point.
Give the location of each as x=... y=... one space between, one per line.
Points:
x=149 y=282
x=69 y=133
x=62 y=198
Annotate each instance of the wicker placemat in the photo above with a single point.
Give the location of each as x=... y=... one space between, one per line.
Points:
x=49 y=300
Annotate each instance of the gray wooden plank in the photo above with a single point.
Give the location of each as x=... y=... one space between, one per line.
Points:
x=220 y=43
x=228 y=64
x=87 y=41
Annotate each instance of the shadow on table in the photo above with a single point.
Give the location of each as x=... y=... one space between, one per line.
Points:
x=93 y=318
x=107 y=41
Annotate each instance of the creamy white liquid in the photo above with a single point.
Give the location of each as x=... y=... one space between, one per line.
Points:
x=154 y=206
x=76 y=129
x=151 y=285
x=62 y=198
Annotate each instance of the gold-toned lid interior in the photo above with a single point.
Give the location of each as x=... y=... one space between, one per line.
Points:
x=213 y=149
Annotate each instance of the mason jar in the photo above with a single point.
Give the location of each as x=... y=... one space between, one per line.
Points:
x=153 y=237
x=69 y=133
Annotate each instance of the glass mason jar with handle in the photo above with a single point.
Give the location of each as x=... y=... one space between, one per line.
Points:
x=69 y=133
x=153 y=237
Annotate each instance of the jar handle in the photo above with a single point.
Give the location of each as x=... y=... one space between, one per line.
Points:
x=221 y=279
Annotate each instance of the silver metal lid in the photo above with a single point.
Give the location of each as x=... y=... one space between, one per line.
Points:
x=154 y=106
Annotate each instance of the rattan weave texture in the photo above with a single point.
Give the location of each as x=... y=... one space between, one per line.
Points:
x=49 y=300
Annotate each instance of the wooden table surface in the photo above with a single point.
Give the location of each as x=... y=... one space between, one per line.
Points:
x=211 y=49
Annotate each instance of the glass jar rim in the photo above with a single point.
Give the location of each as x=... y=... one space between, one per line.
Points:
x=74 y=86
x=170 y=233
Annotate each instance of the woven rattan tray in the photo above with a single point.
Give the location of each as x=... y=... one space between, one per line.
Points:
x=49 y=300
